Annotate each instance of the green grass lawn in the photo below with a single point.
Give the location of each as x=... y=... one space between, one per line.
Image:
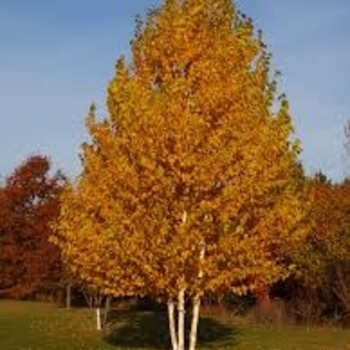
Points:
x=38 y=326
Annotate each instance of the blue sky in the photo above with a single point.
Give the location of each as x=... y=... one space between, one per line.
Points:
x=56 y=57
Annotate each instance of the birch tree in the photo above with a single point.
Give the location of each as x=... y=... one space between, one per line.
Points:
x=188 y=184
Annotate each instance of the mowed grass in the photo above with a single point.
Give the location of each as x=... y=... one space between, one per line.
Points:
x=39 y=326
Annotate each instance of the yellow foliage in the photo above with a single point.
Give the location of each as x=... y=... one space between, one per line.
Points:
x=194 y=128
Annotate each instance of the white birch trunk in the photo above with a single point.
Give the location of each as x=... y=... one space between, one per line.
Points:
x=194 y=323
x=172 y=327
x=98 y=318
x=181 y=308
x=196 y=304
x=181 y=320
x=184 y=217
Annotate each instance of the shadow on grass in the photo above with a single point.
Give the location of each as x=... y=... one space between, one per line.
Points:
x=135 y=329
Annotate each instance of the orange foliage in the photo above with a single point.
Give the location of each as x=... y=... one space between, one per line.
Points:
x=28 y=204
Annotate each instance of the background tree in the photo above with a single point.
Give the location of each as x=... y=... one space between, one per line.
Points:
x=28 y=204
x=324 y=258
x=182 y=180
